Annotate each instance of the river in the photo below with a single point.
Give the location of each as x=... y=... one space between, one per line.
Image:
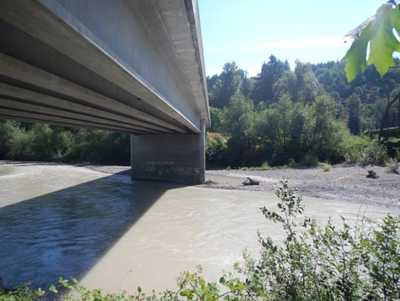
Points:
x=110 y=233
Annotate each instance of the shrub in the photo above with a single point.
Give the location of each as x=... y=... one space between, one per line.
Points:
x=312 y=262
x=364 y=151
x=393 y=166
x=373 y=154
x=354 y=146
x=264 y=166
x=310 y=160
x=216 y=148
x=20 y=145
x=326 y=167
x=7 y=131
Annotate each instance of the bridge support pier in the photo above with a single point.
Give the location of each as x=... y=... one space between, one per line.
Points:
x=171 y=158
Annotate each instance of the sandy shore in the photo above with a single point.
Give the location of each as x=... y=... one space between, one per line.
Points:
x=341 y=183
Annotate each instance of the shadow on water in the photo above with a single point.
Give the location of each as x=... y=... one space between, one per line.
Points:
x=65 y=233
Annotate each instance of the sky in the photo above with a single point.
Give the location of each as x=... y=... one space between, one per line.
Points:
x=249 y=31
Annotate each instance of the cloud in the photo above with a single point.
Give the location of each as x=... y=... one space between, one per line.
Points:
x=305 y=43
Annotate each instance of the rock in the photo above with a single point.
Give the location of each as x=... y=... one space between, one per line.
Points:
x=372 y=174
x=250 y=182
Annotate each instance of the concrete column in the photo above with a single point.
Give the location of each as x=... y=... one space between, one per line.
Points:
x=171 y=158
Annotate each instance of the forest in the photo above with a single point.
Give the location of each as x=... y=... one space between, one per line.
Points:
x=283 y=116
x=299 y=117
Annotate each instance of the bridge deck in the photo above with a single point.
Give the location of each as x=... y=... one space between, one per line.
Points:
x=130 y=66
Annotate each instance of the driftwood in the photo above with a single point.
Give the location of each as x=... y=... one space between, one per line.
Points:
x=372 y=174
x=250 y=182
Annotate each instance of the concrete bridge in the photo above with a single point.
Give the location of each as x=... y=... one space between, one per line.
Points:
x=132 y=66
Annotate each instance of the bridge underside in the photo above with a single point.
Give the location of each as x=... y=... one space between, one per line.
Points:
x=103 y=70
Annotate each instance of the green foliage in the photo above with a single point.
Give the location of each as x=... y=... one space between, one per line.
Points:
x=326 y=167
x=364 y=151
x=224 y=86
x=99 y=146
x=282 y=132
x=270 y=73
x=303 y=116
x=311 y=262
x=7 y=131
x=217 y=145
x=374 y=154
x=238 y=118
x=393 y=166
x=20 y=145
x=216 y=118
x=377 y=34
x=42 y=142
x=354 y=119
x=354 y=147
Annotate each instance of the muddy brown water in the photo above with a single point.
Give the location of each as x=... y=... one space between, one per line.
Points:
x=5 y=170
x=116 y=235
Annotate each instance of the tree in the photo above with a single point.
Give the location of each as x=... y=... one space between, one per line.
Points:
x=286 y=84
x=247 y=86
x=216 y=119
x=238 y=116
x=353 y=120
x=307 y=85
x=270 y=73
x=7 y=131
x=224 y=86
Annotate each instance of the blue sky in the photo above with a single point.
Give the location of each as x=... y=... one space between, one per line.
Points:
x=248 y=31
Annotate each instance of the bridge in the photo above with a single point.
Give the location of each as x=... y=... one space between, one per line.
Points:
x=131 y=66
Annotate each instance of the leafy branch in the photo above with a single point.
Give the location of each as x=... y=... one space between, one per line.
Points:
x=375 y=41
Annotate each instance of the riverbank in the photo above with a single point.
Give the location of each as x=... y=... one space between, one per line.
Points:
x=94 y=224
x=339 y=183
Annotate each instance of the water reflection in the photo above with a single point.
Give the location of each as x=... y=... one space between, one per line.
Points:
x=64 y=233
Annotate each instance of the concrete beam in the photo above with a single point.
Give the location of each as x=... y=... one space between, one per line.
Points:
x=45 y=102
x=23 y=106
x=37 y=117
x=128 y=60
x=48 y=83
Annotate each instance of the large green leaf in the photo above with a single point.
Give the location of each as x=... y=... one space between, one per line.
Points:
x=377 y=34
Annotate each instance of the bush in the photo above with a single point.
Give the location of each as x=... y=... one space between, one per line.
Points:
x=354 y=146
x=393 y=166
x=99 y=146
x=364 y=151
x=311 y=263
x=310 y=160
x=7 y=131
x=373 y=154
x=216 y=148
x=326 y=167
x=20 y=145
